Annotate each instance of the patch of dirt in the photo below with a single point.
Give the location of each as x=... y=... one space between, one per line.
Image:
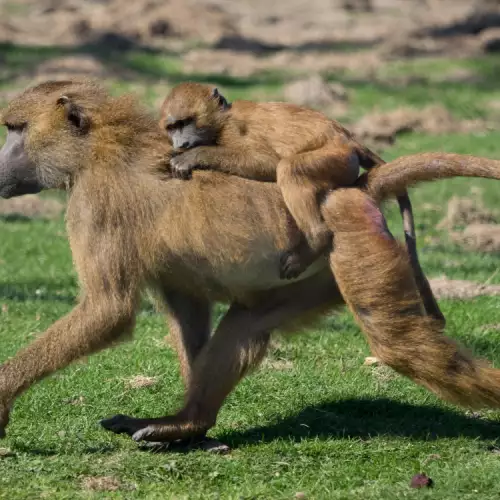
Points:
x=70 y=67
x=490 y=40
x=459 y=75
x=140 y=381
x=75 y=401
x=371 y=361
x=119 y=24
x=463 y=211
x=31 y=206
x=445 y=288
x=277 y=364
x=247 y=36
x=383 y=127
x=478 y=228
x=481 y=237
x=104 y=483
x=314 y=92
x=494 y=327
x=241 y=64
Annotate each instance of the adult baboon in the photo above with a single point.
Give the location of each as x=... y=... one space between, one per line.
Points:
x=215 y=238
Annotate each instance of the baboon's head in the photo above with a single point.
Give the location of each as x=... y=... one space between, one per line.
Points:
x=193 y=114
x=57 y=130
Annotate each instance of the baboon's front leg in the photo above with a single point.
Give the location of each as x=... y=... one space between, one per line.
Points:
x=91 y=326
x=238 y=345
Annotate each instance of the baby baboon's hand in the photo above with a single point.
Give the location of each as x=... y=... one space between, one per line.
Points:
x=183 y=164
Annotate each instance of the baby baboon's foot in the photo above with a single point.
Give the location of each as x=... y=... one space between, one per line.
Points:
x=164 y=429
x=291 y=265
x=295 y=261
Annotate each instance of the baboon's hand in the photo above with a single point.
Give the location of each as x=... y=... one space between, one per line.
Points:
x=183 y=164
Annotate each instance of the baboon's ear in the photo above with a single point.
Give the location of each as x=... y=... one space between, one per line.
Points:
x=75 y=114
x=222 y=100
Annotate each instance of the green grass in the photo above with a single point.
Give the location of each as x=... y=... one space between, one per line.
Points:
x=315 y=420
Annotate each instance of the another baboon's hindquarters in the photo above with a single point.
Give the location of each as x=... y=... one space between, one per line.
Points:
x=376 y=280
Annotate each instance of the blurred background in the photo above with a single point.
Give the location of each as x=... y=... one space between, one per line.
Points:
x=405 y=75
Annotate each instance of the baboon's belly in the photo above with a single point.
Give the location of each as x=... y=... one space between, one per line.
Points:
x=224 y=236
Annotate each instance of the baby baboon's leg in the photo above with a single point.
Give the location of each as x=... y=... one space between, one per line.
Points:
x=237 y=346
x=189 y=325
x=303 y=179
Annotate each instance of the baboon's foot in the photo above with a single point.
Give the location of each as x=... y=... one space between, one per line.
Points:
x=203 y=443
x=163 y=429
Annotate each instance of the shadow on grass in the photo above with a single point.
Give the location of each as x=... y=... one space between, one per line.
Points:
x=125 y=60
x=20 y=447
x=365 y=419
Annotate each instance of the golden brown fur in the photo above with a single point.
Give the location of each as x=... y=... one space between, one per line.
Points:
x=217 y=238
x=391 y=316
x=304 y=151
x=301 y=149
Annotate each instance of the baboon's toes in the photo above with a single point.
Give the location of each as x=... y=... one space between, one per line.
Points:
x=144 y=434
x=120 y=424
x=290 y=265
x=202 y=443
x=212 y=446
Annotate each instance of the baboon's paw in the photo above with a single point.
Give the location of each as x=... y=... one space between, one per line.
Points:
x=122 y=424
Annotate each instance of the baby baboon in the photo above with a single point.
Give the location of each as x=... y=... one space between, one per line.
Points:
x=306 y=152
x=216 y=238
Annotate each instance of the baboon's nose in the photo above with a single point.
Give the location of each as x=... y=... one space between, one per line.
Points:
x=185 y=145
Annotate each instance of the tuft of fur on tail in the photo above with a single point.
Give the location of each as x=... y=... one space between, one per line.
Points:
x=376 y=280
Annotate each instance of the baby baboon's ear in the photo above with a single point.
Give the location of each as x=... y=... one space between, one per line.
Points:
x=75 y=114
x=222 y=100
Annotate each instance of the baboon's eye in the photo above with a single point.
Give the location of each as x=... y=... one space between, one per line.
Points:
x=186 y=121
x=178 y=124
x=15 y=127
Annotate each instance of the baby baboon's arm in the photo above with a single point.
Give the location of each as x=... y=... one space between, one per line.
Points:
x=257 y=163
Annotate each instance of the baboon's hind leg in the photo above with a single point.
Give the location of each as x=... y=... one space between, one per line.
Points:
x=238 y=345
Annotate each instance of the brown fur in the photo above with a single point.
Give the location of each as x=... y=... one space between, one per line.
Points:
x=216 y=238
x=391 y=315
x=307 y=153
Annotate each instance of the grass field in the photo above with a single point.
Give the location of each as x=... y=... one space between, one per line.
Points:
x=312 y=419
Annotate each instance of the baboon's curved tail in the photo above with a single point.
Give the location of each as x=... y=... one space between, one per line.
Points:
x=376 y=280
x=393 y=178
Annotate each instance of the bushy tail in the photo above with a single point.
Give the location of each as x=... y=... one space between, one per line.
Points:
x=395 y=177
x=376 y=280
